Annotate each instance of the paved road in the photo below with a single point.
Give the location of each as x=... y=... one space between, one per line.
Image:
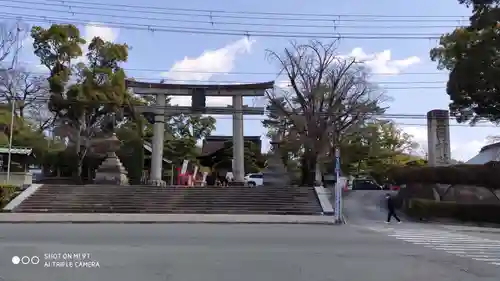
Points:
x=229 y=252
x=365 y=206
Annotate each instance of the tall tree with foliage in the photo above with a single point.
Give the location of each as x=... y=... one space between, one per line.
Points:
x=329 y=97
x=379 y=146
x=83 y=94
x=182 y=134
x=472 y=55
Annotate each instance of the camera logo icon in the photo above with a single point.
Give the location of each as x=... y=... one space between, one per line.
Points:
x=26 y=260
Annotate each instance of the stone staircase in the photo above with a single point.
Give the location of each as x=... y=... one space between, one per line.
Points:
x=151 y=199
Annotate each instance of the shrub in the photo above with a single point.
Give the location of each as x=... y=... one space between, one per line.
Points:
x=7 y=192
x=428 y=209
x=487 y=175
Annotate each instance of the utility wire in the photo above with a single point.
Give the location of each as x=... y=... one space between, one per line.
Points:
x=223 y=110
x=239 y=14
x=230 y=73
x=239 y=81
x=69 y=2
x=229 y=32
x=335 y=24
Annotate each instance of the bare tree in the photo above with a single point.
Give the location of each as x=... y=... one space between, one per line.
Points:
x=329 y=98
x=11 y=36
x=21 y=85
x=41 y=117
x=16 y=83
x=492 y=139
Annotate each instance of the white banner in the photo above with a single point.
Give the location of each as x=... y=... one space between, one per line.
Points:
x=184 y=166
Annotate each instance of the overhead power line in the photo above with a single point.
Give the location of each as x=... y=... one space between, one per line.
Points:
x=228 y=14
x=380 y=84
x=403 y=116
x=233 y=72
x=387 y=117
x=227 y=32
x=254 y=118
x=334 y=24
x=239 y=81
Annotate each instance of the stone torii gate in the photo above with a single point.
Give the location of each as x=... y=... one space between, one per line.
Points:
x=198 y=93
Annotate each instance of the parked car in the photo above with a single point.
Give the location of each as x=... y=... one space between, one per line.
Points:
x=365 y=184
x=253 y=180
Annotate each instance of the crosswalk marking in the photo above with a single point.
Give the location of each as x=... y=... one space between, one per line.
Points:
x=462 y=245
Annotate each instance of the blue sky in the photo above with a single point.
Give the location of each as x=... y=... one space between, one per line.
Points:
x=156 y=54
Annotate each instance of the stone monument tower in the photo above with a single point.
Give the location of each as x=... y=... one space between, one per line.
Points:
x=438 y=137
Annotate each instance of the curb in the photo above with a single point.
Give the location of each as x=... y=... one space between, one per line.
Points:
x=453 y=223
x=162 y=222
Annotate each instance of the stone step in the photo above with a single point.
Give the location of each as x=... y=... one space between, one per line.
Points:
x=132 y=195
x=175 y=206
x=247 y=193
x=144 y=199
x=185 y=211
x=166 y=203
x=177 y=192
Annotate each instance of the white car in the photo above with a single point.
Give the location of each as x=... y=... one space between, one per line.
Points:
x=253 y=180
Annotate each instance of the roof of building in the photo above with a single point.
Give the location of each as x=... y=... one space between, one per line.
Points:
x=490 y=146
x=212 y=144
x=487 y=153
x=16 y=150
x=166 y=86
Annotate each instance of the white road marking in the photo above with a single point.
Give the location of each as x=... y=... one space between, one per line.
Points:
x=466 y=246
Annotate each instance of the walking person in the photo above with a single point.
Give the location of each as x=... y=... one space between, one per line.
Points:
x=391 y=209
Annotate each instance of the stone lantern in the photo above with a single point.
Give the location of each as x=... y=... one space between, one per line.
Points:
x=275 y=173
x=111 y=171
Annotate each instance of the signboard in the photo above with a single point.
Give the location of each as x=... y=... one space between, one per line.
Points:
x=199 y=100
x=338 y=188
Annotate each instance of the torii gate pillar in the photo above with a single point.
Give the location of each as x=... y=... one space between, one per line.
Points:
x=155 y=177
x=238 y=140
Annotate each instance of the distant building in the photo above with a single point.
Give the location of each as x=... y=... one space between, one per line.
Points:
x=214 y=146
x=488 y=153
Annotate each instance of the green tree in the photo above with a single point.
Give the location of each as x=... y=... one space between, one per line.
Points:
x=377 y=147
x=182 y=133
x=26 y=135
x=254 y=162
x=83 y=95
x=471 y=54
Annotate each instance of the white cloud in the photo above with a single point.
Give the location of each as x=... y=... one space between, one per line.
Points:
x=467 y=150
x=382 y=63
x=460 y=150
x=283 y=84
x=419 y=135
x=97 y=30
x=207 y=65
x=377 y=63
